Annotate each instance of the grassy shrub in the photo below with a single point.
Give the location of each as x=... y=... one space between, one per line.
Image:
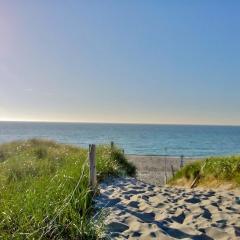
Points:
x=190 y=171
x=217 y=168
x=44 y=191
x=126 y=167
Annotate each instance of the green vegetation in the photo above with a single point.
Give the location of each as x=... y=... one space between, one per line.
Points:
x=125 y=167
x=44 y=191
x=216 y=171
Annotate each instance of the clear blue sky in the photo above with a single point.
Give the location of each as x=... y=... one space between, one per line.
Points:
x=120 y=61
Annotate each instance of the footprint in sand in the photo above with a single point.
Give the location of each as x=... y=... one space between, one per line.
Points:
x=142 y=211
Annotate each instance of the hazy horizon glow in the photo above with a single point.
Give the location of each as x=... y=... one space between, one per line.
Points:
x=128 y=61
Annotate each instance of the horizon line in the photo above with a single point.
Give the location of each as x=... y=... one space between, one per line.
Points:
x=121 y=123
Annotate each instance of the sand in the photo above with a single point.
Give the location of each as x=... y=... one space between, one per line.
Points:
x=145 y=208
x=151 y=169
x=137 y=210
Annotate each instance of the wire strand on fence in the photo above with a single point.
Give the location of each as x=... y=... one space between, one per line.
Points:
x=63 y=206
x=66 y=199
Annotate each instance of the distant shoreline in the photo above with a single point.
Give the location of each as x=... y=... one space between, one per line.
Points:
x=160 y=140
x=123 y=123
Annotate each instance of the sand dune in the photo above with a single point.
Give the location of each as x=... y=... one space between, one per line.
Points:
x=137 y=210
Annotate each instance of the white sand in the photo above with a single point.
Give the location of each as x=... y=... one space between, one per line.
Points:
x=137 y=210
x=151 y=169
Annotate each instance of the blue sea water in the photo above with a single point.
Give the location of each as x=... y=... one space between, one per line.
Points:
x=175 y=140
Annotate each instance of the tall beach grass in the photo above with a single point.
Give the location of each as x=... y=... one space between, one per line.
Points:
x=44 y=191
x=214 y=171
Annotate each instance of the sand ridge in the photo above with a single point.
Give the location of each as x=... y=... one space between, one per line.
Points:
x=137 y=210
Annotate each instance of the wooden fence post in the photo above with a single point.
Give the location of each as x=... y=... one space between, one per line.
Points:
x=172 y=170
x=181 y=161
x=112 y=145
x=165 y=166
x=92 y=165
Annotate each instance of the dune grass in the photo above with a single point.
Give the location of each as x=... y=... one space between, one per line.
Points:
x=44 y=191
x=216 y=171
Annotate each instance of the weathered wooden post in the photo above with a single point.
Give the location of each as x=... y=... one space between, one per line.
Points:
x=173 y=173
x=165 y=160
x=92 y=165
x=181 y=161
x=197 y=178
x=112 y=145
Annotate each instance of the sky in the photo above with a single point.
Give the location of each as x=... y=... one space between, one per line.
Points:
x=139 y=61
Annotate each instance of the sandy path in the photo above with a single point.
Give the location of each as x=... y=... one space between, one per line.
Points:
x=151 y=169
x=136 y=210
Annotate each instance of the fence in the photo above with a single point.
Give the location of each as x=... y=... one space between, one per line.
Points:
x=92 y=164
x=169 y=166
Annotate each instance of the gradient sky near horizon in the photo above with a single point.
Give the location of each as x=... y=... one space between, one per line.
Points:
x=120 y=61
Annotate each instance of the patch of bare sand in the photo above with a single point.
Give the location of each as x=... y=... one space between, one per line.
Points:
x=137 y=210
x=151 y=169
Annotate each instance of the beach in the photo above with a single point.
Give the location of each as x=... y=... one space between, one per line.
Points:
x=151 y=169
x=137 y=210
x=145 y=208
x=119 y=120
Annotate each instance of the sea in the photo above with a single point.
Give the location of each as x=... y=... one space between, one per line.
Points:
x=140 y=139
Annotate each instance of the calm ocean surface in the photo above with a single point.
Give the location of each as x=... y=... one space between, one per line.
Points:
x=135 y=139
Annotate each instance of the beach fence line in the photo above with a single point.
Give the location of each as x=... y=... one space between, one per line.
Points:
x=173 y=169
x=93 y=172
x=92 y=164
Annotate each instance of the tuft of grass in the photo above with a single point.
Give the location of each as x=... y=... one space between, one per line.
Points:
x=44 y=189
x=216 y=169
x=126 y=167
